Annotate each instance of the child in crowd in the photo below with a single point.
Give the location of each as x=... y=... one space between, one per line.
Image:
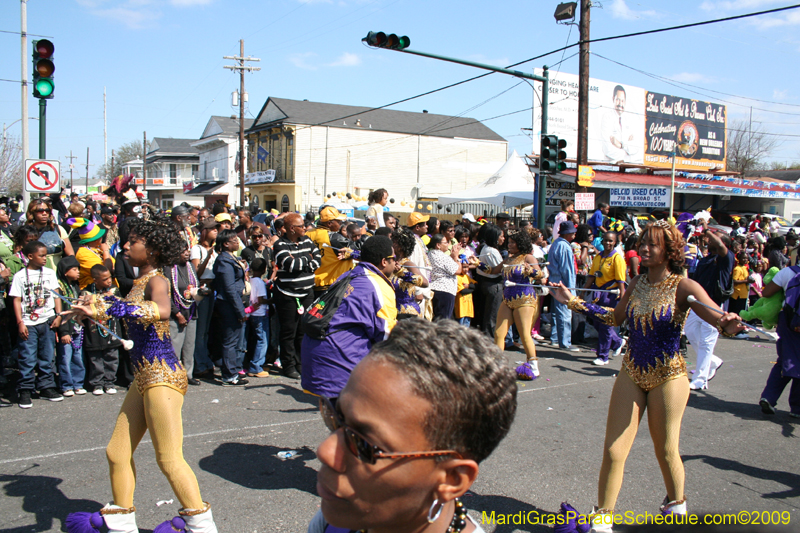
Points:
x=37 y=314
x=69 y=345
x=258 y=318
x=758 y=280
x=741 y=273
x=102 y=350
x=464 y=310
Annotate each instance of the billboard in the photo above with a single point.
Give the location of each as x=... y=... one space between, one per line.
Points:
x=630 y=125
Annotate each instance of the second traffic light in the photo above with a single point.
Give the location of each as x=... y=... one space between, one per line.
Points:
x=381 y=40
x=43 y=69
x=552 y=157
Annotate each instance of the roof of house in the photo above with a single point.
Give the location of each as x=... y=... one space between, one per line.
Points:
x=283 y=110
x=783 y=175
x=168 y=145
x=226 y=125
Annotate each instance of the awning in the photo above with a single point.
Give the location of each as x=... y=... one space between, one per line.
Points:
x=205 y=188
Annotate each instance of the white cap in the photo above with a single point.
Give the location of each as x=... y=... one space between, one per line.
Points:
x=468 y=216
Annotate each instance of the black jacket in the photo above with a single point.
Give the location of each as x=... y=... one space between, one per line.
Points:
x=95 y=339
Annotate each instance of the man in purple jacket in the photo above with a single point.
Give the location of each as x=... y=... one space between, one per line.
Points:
x=365 y=317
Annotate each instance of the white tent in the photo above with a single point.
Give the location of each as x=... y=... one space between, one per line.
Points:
x=510 y=186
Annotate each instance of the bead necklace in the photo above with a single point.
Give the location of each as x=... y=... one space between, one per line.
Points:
x=459 y=521
x=35 y=294
x=184 y=301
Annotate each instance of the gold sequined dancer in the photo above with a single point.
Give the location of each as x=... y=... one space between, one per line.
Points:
x=654 y=376
x=155 y=402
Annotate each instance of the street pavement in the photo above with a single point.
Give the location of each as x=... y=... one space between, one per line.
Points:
x=52 y=459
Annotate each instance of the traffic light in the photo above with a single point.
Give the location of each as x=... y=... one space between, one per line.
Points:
x=561 y=155
x=391 y=41
x=548 y=155
x=43 y=68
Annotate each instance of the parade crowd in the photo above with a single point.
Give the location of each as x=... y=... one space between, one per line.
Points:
x=311 y=296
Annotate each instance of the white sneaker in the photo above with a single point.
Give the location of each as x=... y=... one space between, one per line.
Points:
x=69 y=393
x=111 y=390
x=80 y=392
x=98 y=391
x=668 y=507
x=601 y=522
x=698 y=384
x=619 y=350
x=534 y=364
x=716 y=364
x=599 y=362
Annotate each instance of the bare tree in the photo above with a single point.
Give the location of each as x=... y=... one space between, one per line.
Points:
x=123 y=154
x=748 y=146
x=11 y=165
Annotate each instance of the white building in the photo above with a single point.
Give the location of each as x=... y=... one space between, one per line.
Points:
x=301 y=151
x=218 y=176
x=172 y=165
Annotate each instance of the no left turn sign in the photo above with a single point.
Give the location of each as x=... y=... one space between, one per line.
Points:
x=42 y=175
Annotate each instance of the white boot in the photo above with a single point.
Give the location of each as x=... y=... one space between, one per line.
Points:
x=673 y=507
x=119 y=519
x=602 y=520
x=199 y=520
x=534 y=363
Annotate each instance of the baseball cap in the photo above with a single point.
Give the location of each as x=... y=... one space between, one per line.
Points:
x=209 y=223
x=566 y=228
x=468 y=216
x=331 y=213
x=223 y=217
x=417 y=218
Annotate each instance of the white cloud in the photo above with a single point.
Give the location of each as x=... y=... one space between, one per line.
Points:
x=190 y=3
x=791 y=18
x=300 y=60
x=692 y=77
x=620 y=10
x=132 y=18
x=346 y=60
x=778 y=94
x=736 y=5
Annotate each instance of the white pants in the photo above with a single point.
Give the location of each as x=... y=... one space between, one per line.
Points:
x=703 y=337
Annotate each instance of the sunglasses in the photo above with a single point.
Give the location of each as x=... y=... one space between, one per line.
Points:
x=360 y=446
x=41 y=211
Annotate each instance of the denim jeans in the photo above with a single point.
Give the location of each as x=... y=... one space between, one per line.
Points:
x=260 y=327
x=231 y=331
x=562 y=330
x=465 y=320
x=205 y=310
x=37 y=349
x=71 y=370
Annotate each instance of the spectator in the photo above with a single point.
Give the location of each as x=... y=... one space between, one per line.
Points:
x=202 y=257
x=69 y=344
x=489 y=275
x=102 y=350
x=377 y=201
x=446 y=267
x=229 y=287
x=332 y=246
x=598 y=220
x=562 y=270
x=183 y=285
x=258 y=318
x=55 y=239
x=92 y=251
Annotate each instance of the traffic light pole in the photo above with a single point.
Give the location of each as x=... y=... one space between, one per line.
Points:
x=545 y=80
x=42 y=128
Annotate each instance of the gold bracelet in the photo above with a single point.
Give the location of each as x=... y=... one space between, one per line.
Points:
x=722 y=330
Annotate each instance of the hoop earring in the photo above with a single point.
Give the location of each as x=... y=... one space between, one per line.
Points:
x=435 y=517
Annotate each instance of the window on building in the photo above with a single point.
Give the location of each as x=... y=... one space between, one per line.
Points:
x=195 y=169
x=173 y=170
x=205 y=170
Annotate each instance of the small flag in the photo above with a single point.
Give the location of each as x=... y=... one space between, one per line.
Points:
x=262 y=153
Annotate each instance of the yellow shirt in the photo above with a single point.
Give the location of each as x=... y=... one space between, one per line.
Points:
x=609 y=268
x=740 y=273
x=87 y=258
x=464 y=306
x=330 y=267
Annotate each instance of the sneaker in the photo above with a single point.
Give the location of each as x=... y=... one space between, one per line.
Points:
x=766 y=407
x=262 y=374
x=538 y=337
x=110 y=390
x=69 y=393
x=80 y=392
x=619 y=350
x=716 y=364
x=600 y=362
x=98 y=391
x=674 y=507
x=698 y=384
x=534 y=364
x=25 y=399
x=571 y=349
x=235 y=382
x=51 y=395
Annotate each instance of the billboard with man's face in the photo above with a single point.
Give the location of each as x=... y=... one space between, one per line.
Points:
x=629 y=125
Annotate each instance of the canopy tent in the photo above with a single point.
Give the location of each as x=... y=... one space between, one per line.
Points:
x=510 y=186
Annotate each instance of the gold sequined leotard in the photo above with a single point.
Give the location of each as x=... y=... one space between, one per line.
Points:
x=154 y=360
x=653 y=355
x=517 y=296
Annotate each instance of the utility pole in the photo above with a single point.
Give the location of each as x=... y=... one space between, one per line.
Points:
x=71 y=166
x=144 y=162
x=87 y=171
x=109 y=172
x=583 y=85
x=241 y=67
x=26 y=196
x=105 y=136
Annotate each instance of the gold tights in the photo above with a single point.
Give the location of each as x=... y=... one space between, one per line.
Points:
x=160 y=412
x=665 y=404
x=524 y=317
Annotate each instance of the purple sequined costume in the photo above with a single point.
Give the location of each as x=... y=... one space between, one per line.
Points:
x=653 y=354
x=405 y=284
x=154 y=360
x=518 y=271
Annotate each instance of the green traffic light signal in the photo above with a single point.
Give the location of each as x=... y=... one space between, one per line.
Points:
x=392 y=41
x=561 y=155
x=43 y=69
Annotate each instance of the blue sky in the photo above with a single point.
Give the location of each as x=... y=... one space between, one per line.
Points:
x=161 y=60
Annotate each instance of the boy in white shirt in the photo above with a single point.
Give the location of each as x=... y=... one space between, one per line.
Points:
x=258 y=318
x=37 y=313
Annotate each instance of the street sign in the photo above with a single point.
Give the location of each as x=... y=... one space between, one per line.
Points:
x=584 y=201
x=42 y=176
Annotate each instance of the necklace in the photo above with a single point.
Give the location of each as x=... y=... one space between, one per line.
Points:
x=35 y=294
x=184 y=301
x=459 y=521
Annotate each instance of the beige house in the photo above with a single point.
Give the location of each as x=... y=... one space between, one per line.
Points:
x=301 y=151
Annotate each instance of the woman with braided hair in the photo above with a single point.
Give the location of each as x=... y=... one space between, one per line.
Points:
x=155 y=402
x=653 y=376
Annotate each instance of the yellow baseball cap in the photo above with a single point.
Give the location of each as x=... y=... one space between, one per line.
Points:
x=417 y=218
x=331 y=213
x=223 y=217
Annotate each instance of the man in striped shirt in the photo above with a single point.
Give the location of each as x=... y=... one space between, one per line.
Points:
x=296 y=259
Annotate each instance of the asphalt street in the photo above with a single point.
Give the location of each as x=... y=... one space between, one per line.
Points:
x=52 y=458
